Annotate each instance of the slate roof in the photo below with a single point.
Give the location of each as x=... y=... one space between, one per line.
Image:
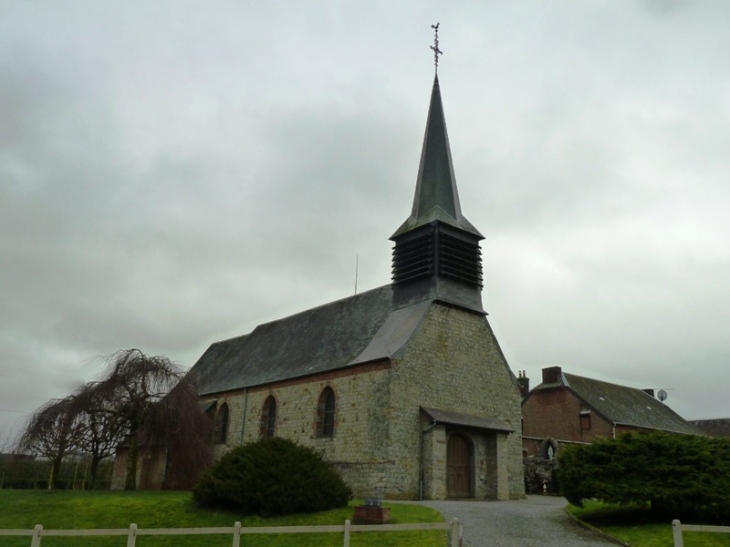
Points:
x=358 y=329
x=467 y=420
x=718 y=427
x=623 y=405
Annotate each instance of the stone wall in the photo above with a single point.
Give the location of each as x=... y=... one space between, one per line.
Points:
x=151 y=461
x=359 y=447
x=453 y=363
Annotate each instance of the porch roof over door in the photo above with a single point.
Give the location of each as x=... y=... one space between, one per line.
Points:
x=486 y=423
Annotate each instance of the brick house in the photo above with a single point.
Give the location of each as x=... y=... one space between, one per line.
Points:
x=403 y=387
x=566 y=408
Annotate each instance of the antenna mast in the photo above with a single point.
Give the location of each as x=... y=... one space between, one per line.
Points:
x=357 y=263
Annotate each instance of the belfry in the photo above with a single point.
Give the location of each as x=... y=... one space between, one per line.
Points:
x=436 y=253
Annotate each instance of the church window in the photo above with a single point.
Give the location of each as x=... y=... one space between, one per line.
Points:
x=326 y=413
x=268 y=418
x=221 y=425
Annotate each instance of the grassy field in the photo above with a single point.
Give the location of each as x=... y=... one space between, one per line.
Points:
x=82 y=510
x=637 y=527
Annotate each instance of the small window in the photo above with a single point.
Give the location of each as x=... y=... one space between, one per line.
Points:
x=585 y=417
x=326 y=413
x=221 y=425
x=268 y=418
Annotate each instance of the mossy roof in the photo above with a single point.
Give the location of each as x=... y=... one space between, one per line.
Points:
x=622 y=405
x=355 y=330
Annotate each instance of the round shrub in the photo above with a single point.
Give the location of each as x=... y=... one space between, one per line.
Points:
x=682 y=476
x=272 y=476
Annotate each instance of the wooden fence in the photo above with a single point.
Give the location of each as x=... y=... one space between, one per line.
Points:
x=237 y=531
x=678 y=528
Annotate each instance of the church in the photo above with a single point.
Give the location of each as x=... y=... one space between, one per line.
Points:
x=404 y=388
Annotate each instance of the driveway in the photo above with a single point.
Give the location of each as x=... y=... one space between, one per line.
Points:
x=538 y=521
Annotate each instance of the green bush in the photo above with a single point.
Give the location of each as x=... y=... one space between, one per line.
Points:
x=272 y=476
x=682 y=476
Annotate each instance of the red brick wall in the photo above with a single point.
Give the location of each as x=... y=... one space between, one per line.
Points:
x=555 y=413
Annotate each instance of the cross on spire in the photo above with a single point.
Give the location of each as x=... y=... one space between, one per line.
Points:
x=435 y=46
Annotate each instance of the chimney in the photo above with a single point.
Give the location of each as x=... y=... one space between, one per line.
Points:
x=649 y=391
x=524 y=382
x=552 y=375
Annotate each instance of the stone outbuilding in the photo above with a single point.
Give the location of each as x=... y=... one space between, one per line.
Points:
x=403 y=387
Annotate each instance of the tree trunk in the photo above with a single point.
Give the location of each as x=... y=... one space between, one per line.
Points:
x=55 y=472
x=92 y=471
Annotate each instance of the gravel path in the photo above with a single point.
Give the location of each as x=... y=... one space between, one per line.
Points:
x=538 y=521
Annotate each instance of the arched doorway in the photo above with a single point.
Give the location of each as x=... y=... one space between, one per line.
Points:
x=459 y=467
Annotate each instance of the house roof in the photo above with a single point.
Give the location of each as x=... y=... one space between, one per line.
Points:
x=355 y=330
x=718 y=427
x=622 y=405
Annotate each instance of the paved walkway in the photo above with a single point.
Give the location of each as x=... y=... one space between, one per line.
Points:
x=538 y=521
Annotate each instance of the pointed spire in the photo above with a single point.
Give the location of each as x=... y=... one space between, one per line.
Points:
x=437 y=197
x=436 y=255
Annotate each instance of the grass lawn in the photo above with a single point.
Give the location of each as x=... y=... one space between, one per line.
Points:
x=637 y=527
x=82 y=510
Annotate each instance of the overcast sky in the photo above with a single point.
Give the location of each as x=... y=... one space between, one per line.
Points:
x=173 y=173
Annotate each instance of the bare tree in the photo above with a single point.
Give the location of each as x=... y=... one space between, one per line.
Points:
x=143 y=400
x=53 y=431
x=103 y=430
x=155 y=403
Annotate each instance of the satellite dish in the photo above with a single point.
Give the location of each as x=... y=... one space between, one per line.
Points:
x=662 y=395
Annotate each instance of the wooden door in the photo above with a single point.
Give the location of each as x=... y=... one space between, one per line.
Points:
x=459 y=467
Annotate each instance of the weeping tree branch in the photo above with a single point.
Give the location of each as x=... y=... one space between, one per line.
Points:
x=156 y=404
x=103 y=431
x=53 y=431
x=142 y=399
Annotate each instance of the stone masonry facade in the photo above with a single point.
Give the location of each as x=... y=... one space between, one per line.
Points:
x=452 y=362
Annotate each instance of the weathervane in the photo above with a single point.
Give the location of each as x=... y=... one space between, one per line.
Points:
x=435 y=46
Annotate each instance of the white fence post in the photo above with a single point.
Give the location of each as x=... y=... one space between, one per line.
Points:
x=36 y=541
x=132 y=536
x=677 y=533
x=454 y=528
x=455 y=532
x=347 y=533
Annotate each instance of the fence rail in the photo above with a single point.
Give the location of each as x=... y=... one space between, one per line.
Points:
x=678 y=528
x=237 y=531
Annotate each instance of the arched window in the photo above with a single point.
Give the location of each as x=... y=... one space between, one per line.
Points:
x=268 y=418
x=221 y=425
x=326 y=413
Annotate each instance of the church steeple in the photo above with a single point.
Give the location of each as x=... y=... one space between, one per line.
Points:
x=436 y=254
x=437 y=197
